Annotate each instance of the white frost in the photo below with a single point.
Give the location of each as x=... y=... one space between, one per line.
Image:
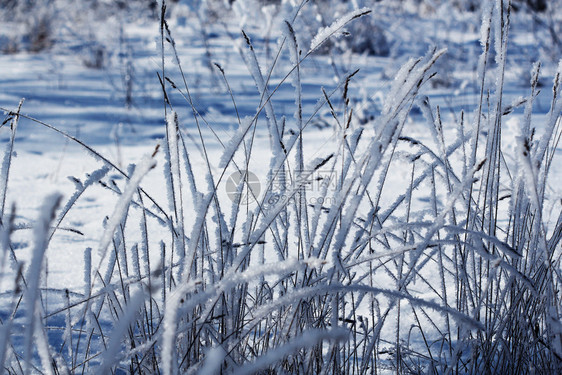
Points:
x=146 y=164
x=336 y=28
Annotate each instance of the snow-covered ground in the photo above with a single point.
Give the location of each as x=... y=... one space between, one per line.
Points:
x=90 y=104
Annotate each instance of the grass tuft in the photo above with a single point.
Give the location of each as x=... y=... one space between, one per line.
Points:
x=452 y=270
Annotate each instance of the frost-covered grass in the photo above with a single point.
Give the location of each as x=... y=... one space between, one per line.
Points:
x=382 y=250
